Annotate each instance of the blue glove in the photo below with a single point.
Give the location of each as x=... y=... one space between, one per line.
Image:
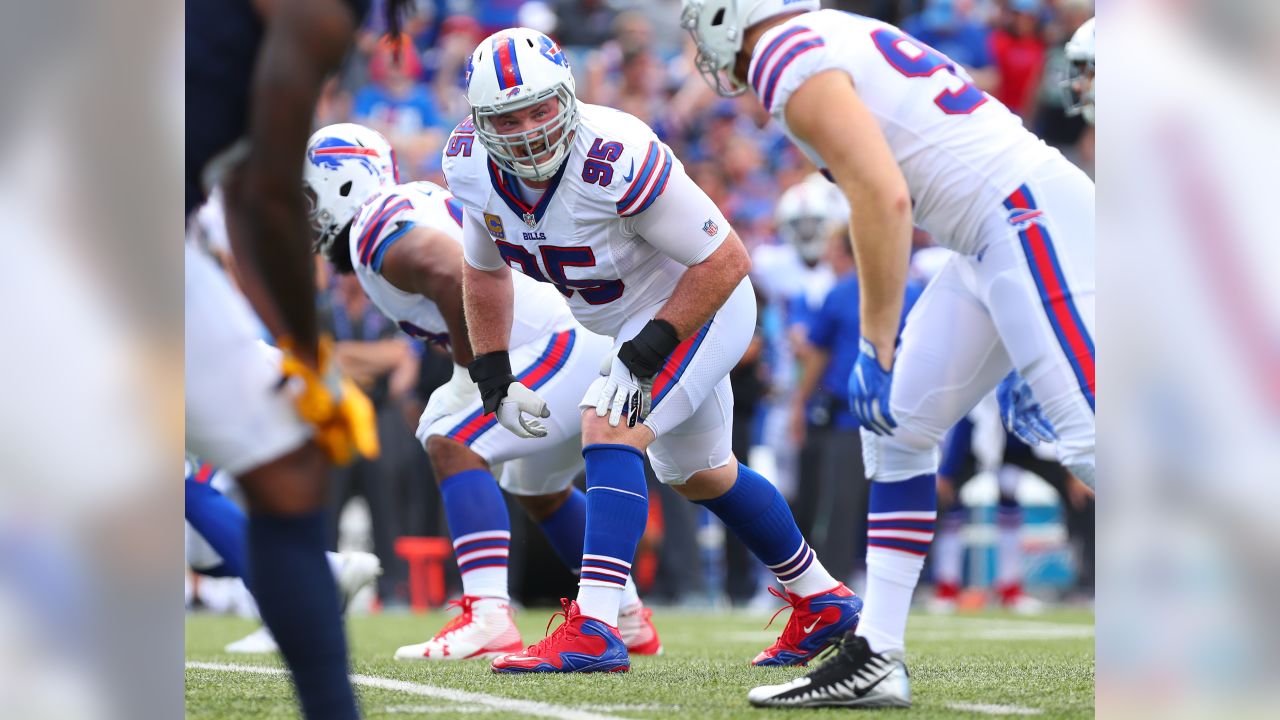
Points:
x=1021 y=413
x=869 y=391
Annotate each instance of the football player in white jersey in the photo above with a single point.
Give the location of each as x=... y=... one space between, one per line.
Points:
x=404 y=244
x=903 y=132
x=586 y=198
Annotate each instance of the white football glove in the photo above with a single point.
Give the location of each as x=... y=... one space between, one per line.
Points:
x=452 y=397
x=623 y=392
x=518 y=402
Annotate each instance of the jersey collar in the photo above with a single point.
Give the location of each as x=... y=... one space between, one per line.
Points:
x=505 y=183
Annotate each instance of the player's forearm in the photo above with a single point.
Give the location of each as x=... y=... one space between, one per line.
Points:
x=303 y=43
x=705 y=287
x=882 y=246
x=487 y=301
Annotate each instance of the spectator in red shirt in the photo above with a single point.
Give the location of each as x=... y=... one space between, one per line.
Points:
x=1019 y=52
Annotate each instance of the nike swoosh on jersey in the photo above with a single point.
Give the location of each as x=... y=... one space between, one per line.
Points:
x=811 y=627
x=632 y=171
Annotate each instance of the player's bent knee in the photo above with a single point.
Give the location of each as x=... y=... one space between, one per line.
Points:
x=541 y=507
x=898 y=457
x=597 y=431
x=450 y=457
x=708 y=484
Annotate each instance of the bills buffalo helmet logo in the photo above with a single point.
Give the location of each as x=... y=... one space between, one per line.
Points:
x=330 y=152
x=1022 y=218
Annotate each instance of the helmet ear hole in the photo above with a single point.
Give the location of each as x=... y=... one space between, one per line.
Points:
x=717 y=18
x=345 y=190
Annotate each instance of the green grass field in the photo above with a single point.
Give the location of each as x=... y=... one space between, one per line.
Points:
x=961 y=666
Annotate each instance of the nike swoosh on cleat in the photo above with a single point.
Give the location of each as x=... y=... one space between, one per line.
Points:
x=627 y=177
x=862 y=691
x=811 y=627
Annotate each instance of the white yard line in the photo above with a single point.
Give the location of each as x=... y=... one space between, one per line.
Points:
x=986 y=709
x=527 y=708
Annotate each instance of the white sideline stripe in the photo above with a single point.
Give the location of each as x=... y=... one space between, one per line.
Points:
x=527 y=708
x=987 y=709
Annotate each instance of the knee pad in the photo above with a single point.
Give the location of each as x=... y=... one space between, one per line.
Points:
x=894 y=458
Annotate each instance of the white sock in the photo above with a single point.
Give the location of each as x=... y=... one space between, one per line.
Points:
x=813 y=580
x=630 y=596
x=490 y=582
x=891 y=579
x=601 y=603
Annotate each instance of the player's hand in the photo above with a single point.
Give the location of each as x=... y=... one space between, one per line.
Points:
x=506 y=398
x=630 y=385
x=518 y=402
x=335 y=406
x=446 y=400
x=869 y=385
x=1021 y=413
x=623 y=392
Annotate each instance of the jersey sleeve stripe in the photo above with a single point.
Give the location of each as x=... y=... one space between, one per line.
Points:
x=757 y=73
x=800 y=48
x=659 y=184
x=637 y=185
x=369 y=238
x=376 y=262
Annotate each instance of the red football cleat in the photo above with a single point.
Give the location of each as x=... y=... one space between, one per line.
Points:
x=580 y=644
x=635 y=624
x=816 y=621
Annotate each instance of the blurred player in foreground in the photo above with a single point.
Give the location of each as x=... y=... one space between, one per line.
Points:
x=216 y=537
x=404 y=244
x=902 y=130
x=588 y=199
x=253 y=75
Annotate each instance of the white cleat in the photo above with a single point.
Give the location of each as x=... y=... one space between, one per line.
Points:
x=358 y=569
x=485 y=629
x=258 y=641
x=853 y=676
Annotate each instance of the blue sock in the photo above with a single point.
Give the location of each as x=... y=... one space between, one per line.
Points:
x=298 y=600
x=902 y=515
x=617 y=512
x=757 y=513
x=221 y=523
x=481 y=531
x=566 y=529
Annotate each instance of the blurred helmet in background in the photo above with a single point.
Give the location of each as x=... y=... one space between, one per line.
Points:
x=346 y=165
x=808 y=213
x=1080 y=52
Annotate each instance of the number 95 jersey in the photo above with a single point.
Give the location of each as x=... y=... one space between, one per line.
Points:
x=960 y=150
x=613 y=232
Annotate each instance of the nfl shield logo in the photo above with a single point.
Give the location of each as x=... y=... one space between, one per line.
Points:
x=530 y=219
x=710 y=228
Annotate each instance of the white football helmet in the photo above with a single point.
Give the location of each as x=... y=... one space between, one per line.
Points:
x=806 y=215
x=515 y=69
x=718 y=26
x=1080 y=51
x=346 y=165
